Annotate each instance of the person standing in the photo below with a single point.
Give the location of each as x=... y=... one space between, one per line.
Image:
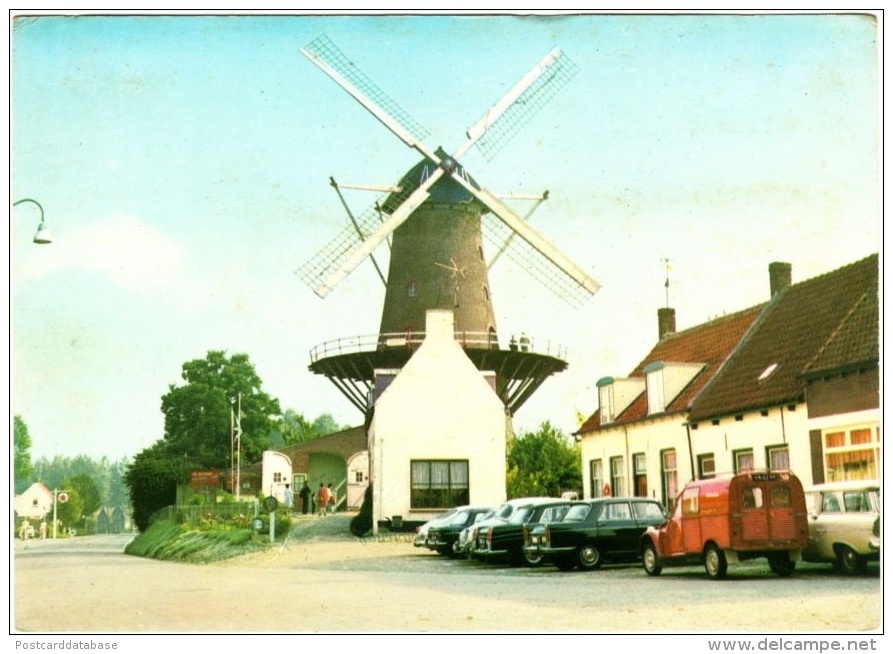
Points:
x=289 y=498
x=332 y=500
x=305 y=493
x=322 y=499
x=43 y=530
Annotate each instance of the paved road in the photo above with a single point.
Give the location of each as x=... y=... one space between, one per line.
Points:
x=87 y=585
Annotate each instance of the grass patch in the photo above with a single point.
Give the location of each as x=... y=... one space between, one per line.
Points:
x=172 y=542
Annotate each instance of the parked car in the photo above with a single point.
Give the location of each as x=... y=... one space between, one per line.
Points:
x=421 y=532
x=732 y=518
x=844 y=524
x=503 y=538
x=595 y=530
x=443 y=535
x=463 y=545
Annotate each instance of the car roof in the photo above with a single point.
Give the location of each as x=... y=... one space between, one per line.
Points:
x=859 y=484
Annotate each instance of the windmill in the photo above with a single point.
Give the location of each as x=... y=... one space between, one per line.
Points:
x=438 y=213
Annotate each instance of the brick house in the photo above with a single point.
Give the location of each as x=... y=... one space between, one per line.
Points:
x=792 y=383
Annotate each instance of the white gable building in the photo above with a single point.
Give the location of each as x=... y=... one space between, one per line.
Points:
x=437 y=435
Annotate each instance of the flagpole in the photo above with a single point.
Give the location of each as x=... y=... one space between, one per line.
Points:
x=232 y=460
x=239 y=451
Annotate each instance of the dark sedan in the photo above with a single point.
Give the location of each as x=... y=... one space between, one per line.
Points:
x=595 y=530
x=503 y=538
x=443 y=535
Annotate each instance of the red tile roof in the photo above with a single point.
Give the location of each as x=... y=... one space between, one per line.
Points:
x=709 y=343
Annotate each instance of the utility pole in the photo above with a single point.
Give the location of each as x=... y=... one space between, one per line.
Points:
x=58 y=496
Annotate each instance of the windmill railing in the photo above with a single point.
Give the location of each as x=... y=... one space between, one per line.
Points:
x=412 y=339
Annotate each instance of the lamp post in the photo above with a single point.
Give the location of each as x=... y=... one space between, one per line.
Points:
x=43 y=233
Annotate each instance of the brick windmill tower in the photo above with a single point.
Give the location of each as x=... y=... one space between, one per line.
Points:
x=435 y=220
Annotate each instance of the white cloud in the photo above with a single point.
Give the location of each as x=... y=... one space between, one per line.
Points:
x=131 y=253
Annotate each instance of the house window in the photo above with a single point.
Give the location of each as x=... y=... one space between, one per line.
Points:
x=358 y=476
x=852 y=453
x=617 y=486
x=596 y=478
x=743 y=460
x=606 y=403
x=779 y=457
x=706 y=466
x=277 y=477
x=654 y=383
x=669 y=475
x=438 y=484
x=640 y=476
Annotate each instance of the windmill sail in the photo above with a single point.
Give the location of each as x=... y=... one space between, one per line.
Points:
x=497 y=125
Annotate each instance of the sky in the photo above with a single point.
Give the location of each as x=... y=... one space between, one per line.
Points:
x=182 y=163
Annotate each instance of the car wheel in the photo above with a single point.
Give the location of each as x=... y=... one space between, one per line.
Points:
x=532 y=559
x=849 y=561
x=649 y=560
x=715 y=562
x=445 y=550
x=589 y=557
x=565 y=563
x=781 y=564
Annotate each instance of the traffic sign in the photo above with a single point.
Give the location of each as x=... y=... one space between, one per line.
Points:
x=63 y=497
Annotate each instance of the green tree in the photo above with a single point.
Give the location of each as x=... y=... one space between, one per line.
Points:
x=545 y=462
x=71 y=511
x=86 y=489
x=21 y=443
x=295 y=428
x=198 y=415
x=325 y=424
x=152 y=478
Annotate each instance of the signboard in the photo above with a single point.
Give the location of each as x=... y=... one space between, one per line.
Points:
x=63 y=497
x=270 y=503
x=205 y=478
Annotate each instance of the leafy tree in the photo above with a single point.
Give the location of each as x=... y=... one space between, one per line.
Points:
x=545 y=462
x=294 y=428
x=21 y=442
x=198 y=415
x=71 y=511
x=88 y=492
x=152 y=478
x=325 y=425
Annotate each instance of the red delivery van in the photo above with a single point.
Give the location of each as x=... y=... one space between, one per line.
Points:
x=732 y=518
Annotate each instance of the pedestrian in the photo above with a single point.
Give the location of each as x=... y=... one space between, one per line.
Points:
x=333 y=501
x=23 y=531
x=513 y=344
x=305 y=498
x=289 y=498
x=322 y=498
x=43 y=530
x=524 y=342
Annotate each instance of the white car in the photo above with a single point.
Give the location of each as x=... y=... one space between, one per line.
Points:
x=844 y=524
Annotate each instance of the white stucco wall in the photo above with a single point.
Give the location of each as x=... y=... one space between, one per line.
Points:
x=275 y=462
x=438 y=407
x=652 y=436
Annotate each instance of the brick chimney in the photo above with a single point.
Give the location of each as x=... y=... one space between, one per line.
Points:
x=666 y=322
x=779 y=277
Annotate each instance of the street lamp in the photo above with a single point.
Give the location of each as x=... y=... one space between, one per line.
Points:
x=43 y=233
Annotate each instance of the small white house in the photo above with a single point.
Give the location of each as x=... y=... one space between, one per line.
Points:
x=34 y=502
x=275 y=474
x=437 y=435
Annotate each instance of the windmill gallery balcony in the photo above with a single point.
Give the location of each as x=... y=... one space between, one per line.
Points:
x=350 y=363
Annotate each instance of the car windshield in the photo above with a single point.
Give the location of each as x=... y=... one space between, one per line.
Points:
x=553 y=513
x=459 y=519
x=505 y=511
x=521 y=516
x=576 y=513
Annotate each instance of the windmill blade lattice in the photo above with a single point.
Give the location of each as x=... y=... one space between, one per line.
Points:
x=532 y=262
x=329 y=57
x=317 y=270
x=554 y=74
